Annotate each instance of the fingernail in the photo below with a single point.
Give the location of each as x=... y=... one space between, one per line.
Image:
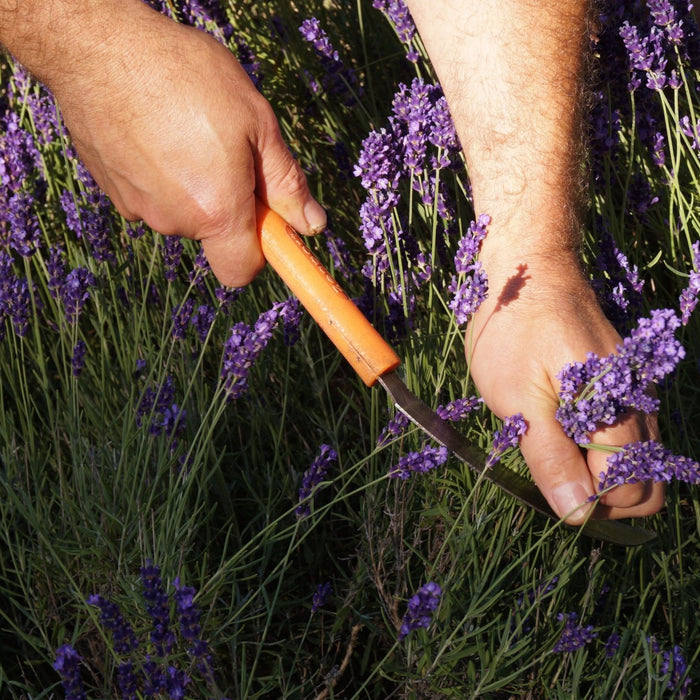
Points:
x=569 y=497
x=315 y=216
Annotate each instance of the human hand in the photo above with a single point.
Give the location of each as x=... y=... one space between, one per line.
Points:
x=172 y=129
x=539 y=317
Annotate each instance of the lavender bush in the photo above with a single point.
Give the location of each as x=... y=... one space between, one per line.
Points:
x=150 y=416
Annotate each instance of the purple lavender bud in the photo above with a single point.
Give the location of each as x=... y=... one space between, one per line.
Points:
x=181 y=317
x=56 y=269
x=202 y=320
x=507 y=437
x=338 y=80
x=242 y=349
x=393 y=429
x=20 y=157
x=323 y=591
x=249 y=61
x=78 y=358
x=647 y=461
x=612 y=644
x=469 y=291
x=75 y=291
x=419 y=462
x=313 y=476
x=189 y=614
x=172 y=250
x=400 y=17
x=113 y=620
x=689 y=296
x=25 y=234
x=419 y=613
x=459 y=409
x=67 y=665
x=598 y=391
x=158 y=607
x=574 y=636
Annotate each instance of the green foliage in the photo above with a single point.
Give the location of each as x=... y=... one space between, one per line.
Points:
x=88 y=493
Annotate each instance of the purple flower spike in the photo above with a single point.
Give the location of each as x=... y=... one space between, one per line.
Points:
x=459 y=409
x=420 y=609
x=575 y=636
x=689 y=296
x=313 y=476
x=648 y=461
x=601 y=389
x=113 y=620
x=507 y=437
x=419 y=462
x=321 y=596
x=67 y=665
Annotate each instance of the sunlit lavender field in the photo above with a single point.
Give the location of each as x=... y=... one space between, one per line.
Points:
x=198 y=496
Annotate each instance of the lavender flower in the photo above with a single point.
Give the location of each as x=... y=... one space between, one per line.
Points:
x=158 y=607
x=393 y=429
x=91 y=220
x=612 y=644
x=574 y=636
x=421 y=607
x=470 y=287
x=172 y=250
x=249 y=61
x=202 y=320
x=337 y=81
x=321 y=595
x=181 y=318
x=507 y=437
x=459 y=409
x=469 y=292
x=112 y=619
x=189 y=616
x=689 y=296
x=75 y=291
x=67 y=665
x=313 y=476
x=165 y=416
x=245 y=344
x=647 y=461
x=25 y=234
x=599 y=390
x=78 y=357
x=400 y=17
x=423 y=461
x=675 y=665
x=20 y=155
x=15 y=298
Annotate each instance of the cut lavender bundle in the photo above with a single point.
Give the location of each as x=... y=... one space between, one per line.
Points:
x=599 y=390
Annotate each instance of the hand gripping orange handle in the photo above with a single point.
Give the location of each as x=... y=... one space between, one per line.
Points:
x=323 y=298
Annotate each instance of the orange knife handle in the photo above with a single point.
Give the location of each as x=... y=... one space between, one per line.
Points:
x=346 y=326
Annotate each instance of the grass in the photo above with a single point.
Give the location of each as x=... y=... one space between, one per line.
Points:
x=89 y=494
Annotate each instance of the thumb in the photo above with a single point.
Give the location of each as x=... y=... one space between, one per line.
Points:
x=281 y=184
x=558 y=468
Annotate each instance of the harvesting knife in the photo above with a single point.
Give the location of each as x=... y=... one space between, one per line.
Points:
x=375 y=361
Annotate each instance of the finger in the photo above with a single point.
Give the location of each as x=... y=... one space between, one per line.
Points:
x=629 y=428
x=558 y=468
x=282 y=185
x=629 y=500
x=233 y=250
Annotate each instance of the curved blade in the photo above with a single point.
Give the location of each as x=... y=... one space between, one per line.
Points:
x=512 y=483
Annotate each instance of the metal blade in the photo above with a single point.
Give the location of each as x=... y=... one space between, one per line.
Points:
x=512 y=483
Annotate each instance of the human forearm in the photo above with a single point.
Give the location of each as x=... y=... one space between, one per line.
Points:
x=513 y=74
x=57 y=39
